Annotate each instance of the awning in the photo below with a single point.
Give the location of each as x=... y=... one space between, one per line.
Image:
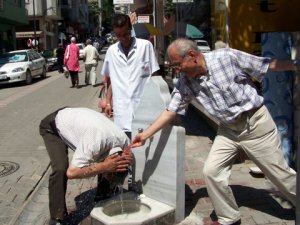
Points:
x=28 y=34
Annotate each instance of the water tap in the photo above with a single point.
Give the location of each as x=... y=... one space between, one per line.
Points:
x=140 y=130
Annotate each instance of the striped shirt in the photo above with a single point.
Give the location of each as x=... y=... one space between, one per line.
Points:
x=227 y=89
x=90 y=134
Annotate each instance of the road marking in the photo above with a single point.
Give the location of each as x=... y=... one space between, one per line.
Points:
x=26 y=91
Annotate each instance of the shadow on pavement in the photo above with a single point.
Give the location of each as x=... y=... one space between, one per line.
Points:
x=84 y=205
x=256 y=199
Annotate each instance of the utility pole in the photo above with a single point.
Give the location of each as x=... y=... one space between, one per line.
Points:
x=100 y=17
x=34 y=42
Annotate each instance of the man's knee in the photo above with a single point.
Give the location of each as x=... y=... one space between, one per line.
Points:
x=209 y=170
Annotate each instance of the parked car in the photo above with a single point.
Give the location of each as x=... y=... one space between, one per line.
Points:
x=81 y=47
x=21 y=65
x=51 y=59
x=203 y=45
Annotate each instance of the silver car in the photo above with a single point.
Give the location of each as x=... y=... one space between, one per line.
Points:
x=21 y=65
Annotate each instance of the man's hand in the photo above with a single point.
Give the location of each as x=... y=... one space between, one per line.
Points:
x=138 y=140
x=108 y=110
x=116 y=163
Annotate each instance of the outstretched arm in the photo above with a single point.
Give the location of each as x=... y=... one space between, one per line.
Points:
x=165 y=118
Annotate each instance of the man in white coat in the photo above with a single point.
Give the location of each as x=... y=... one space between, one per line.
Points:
x=128 y=64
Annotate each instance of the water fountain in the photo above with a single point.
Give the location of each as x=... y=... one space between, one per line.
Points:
x=158 y=172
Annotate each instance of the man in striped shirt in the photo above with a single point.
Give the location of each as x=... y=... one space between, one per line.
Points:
x=222 y=82
x=97 y=144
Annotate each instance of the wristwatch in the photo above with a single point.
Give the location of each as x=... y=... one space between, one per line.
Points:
x=296 y=62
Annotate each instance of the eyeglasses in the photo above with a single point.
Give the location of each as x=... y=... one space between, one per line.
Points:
x=125 y=34
x=178 y=65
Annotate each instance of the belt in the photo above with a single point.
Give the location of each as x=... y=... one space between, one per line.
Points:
x=248 y=113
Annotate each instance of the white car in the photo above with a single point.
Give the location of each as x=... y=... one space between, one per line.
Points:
x=203 y=46
x=21 y=65
x=81 y=47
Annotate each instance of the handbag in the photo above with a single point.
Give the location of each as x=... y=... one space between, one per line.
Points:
x=66 y=72
x=68 y=52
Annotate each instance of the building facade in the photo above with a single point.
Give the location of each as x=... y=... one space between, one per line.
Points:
x=12 y=14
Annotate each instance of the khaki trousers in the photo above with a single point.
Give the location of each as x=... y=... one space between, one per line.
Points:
x=256 y=135
x=90 y=73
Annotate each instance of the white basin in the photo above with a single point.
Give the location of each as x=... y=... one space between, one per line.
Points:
x=129 y=209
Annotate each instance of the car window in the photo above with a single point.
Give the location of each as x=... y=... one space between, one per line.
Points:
x=48 y=53
x=35 y=55
x=202 y=43
x=13 y=57
x=30 y=56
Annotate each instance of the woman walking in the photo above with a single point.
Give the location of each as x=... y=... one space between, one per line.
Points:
x=71 y=61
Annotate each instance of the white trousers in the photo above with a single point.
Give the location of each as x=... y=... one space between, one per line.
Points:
x=258 y=137
x=90 y=73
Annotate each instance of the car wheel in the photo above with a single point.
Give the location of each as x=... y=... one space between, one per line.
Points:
x=43 y=75
x=28 y=77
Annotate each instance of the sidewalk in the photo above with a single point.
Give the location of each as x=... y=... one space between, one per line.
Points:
x=258 y=201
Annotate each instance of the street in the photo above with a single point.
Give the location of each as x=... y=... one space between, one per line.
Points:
x=23 y=157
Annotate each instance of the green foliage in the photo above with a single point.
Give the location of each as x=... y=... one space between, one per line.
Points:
x=93 y=7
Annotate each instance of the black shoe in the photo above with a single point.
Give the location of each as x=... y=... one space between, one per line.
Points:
x=55 y=222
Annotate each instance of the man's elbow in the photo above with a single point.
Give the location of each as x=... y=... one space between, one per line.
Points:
x=71 y=174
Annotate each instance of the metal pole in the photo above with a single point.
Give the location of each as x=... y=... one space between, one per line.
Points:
x=298 y=184
x=227 y=25
x=100 y=17
x=34 y=23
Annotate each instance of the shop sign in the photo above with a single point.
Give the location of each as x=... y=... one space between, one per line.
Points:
x=143 y=19
x=123 y=1
x=182 y=1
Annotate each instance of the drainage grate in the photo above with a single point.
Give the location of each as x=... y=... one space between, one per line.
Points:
x=7 y=168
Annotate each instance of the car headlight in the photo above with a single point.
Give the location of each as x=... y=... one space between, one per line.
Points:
x=18 y=69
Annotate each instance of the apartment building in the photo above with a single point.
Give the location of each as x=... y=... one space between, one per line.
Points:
x=12 y=14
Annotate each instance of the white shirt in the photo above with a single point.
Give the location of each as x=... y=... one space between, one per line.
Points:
x=90 y=134
x=128 y=77
x=91 y=54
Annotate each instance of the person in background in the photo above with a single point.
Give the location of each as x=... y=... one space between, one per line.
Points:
x=60 y=52
x=97 y=144
x=90 y=58
x=128 y=64
x=71 y=61
x=222 y=82
x=220 y=43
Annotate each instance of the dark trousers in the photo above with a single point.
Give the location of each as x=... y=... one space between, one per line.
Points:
x=58 y=153
x=74 y=78
x=60 y=62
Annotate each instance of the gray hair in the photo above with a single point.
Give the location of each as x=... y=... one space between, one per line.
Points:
x=183 y=45
x=73 y=39
x=88 y=42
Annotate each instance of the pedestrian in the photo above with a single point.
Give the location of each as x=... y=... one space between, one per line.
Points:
x=222 y=82
x=220 y=43
x=60 y=52
x=94 y=138
x=71 y=61
x=90 y=58
x=128 y=64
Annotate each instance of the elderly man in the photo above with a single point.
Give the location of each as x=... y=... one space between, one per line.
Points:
x=90 y=58
x=222 y=82
x=97 y=143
